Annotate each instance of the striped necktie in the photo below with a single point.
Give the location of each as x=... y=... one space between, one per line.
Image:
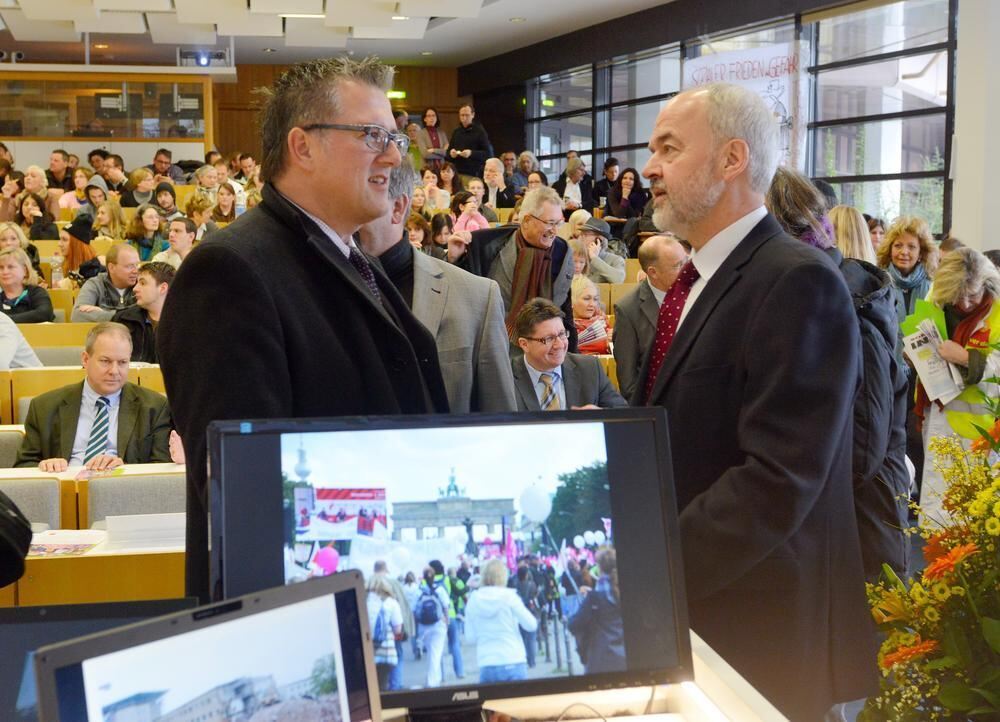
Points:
x=550 y=399
x=98 y=442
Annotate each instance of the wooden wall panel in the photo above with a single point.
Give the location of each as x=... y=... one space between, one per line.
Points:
x=236 y=104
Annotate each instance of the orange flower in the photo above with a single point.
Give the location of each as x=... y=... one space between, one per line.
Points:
x=937 y=545
x=946 y=564
x=905 y=654
x=980 y=443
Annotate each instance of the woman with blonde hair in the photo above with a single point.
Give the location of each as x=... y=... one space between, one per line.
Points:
x=967 y=288
x=21 y=298
x=850 y=233
x=494 y=618
x=385 y=619
x=11 y=236
x=142 y=181
x=581 y=257
x=77 y=198
x=592 y=328
x=571 y=228
x=909 y=254
x=110 y=221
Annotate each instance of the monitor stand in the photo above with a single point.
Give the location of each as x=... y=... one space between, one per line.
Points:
x=473 y=712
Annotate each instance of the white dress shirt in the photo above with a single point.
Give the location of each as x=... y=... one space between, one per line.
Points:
x=714 y=253
x=345 y=247
x=657 y=293
x=572 y=192
x=536 y=383
x=88 y=412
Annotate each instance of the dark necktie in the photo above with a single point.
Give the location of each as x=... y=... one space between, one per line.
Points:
x=97 y=444
x=360 y=263
x=667 y=321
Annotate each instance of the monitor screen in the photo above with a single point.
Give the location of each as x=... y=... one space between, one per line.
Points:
x=298 y=659
x=524 y=554
x=25 y=629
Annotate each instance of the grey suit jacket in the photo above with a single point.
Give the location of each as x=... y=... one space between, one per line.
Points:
x=464 y=312
x=583 y=379
x=635 y=330
x=50 y=428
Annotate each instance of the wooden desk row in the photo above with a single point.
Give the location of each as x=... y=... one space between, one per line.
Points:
x=16 y=384
x=612 y=293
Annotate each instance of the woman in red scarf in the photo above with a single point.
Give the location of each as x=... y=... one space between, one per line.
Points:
x=967 y=288
x=591 y=323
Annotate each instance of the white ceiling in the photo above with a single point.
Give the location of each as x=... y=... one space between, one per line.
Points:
x=453 y=32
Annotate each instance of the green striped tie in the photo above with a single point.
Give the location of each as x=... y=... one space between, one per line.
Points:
x=550 y=399
x=98 y=443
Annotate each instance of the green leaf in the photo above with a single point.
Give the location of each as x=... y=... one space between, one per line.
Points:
x=991 y=631
x=942 y=663
x=992 y=674
x=957 y=696
x=990 y=697
x=985 y=435
x=890 y=576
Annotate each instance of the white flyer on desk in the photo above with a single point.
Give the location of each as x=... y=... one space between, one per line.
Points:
x=940 y=379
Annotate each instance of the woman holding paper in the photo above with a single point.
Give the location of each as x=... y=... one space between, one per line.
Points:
x=967 y=288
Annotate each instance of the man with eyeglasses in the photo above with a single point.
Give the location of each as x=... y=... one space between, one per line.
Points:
x=280 y=314
x=547 y=377
x=527 y=262
x=661 y=258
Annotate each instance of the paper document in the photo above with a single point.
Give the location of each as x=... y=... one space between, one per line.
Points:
x=941 y=380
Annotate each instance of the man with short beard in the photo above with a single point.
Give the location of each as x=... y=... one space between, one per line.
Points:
x=756 y=360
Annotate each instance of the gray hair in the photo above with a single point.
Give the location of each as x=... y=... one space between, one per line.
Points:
x=529 y=154
x=308 y=93
x=203 y=170
x=534 y=200
x=402 y=180
x=573 y=164
x=736 y=112
x=964 y=272
x=496 y=162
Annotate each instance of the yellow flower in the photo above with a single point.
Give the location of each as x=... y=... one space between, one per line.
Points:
x=932 y=614
x=996 y=508
x=918 y=594
x=941 y=591
x=958 y=591
x=993 y=527
x=977 y=508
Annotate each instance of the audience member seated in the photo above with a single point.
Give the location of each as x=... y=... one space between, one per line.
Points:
x=432 y=140
x=35 y=220
x=74 y=161
x=442 y=227
x=224 y=210
x=207 y=180
x=498 y=194
x=166 y=202
x=110 y=221
x=254 y=198
x=449 y=180
x=222 y=171
x=661 y=258
x=94 y=194
x=141 y=183
x=79 y=260
x=72 y=200
x=470 y=146
x=571 y=228
x=509 y=160
x=110 y=291
x=21 y=298
x=142 y=319
x=592 y=328
x=164 y=168
x=527 y=163
x=11 y=236
x=605 y=266
x=581 y=257
x=576 y=190
x=421 y=237
x=114 y=174
x=437 y=198
x=181 y=237
x=536 y=180
x=15 y=352
x=465 y=211
x=199 y=210
x=628 y=198
x=145 y=232
x=249 y=175
x=103 y=421
x=602 y=188
x=96 y=158
x=34 y=181
x=419 y=204
x=412 y=131
x=59 y=175
x=477 y=188
x=547 y=377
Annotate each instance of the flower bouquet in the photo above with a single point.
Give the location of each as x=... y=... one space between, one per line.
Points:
x=941 y=656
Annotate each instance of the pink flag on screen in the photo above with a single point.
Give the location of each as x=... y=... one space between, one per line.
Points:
x=511 y=551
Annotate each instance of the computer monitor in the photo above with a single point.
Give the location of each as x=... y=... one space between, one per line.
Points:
x=294 y=652
x=579 y=503
x=24 y=629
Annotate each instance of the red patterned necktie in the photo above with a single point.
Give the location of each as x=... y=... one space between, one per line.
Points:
x=667 y=321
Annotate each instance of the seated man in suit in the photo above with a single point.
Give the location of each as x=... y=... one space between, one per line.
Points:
x=661 y=258
x=110 y=291
x=102 y=422
x=547 y=377
x=463 y=311
x=142 y=319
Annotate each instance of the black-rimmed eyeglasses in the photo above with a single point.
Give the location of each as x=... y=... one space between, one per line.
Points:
x=547 y=341
x=376 y=137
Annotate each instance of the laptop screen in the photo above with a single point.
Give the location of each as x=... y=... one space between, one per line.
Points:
x=302 y=658
x=25 y=629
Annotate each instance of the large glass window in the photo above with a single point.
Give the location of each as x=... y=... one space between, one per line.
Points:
x=646 y=75
x=565 y=92
x=885 y=29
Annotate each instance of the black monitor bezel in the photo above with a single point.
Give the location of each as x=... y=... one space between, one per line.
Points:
x=463 y=695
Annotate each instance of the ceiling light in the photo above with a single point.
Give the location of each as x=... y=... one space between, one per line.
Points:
x=270 y=50
x=203 y=59
x=308 y=16
x=400 y=17
x=426 y=53
x=100 y=46
x=516 y=20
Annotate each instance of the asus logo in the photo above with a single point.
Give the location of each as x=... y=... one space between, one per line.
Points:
x=465 y=696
